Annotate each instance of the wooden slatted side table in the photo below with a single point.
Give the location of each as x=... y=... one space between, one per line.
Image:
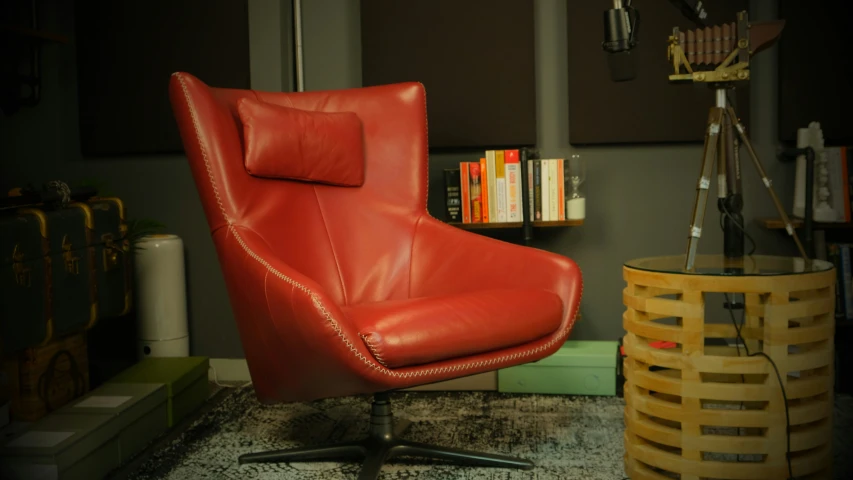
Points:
x=713 y=407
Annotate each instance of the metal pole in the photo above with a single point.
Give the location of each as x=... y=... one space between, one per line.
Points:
x=297 y=45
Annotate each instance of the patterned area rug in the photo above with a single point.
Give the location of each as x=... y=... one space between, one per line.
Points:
x=566 y=437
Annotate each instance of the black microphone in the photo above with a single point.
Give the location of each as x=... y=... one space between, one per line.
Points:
x=620 y=36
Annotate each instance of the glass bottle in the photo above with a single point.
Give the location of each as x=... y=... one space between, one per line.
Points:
x=576 y=200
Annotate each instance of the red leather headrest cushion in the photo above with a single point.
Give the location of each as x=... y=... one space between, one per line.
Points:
x=288 y=143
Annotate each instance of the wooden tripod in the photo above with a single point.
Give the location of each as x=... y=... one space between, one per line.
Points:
x=716 y=146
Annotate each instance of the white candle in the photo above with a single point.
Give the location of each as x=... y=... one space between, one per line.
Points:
x=576 y=208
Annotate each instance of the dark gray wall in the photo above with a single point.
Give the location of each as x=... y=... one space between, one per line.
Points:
x=639 y=198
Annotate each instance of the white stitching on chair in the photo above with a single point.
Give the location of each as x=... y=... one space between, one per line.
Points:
x=203 y=150
x=373 y=349
x=322 y=308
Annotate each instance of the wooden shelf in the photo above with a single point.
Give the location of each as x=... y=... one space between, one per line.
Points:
x=33 y=34
x=777 y=224
x=559 y=223
x=479 y=226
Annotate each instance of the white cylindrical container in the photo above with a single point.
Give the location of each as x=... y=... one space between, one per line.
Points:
x=162 y=329
x=576 y=208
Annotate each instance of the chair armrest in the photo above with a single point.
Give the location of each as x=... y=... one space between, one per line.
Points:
x=446 y=259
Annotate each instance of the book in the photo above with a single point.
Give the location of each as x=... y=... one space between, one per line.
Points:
x=464 y=190
x=546 y=191
x=484 y=191
x=452 y=197
x=490 y=184
x=537 y=190
x=475 y=190
x=561 y=195
x=531 y=204
x=500 y=186
x=553 y=200
x=512 y=169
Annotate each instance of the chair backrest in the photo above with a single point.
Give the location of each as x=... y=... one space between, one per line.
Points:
x=355 y=242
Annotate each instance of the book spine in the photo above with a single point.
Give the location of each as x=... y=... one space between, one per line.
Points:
x=464 y=186
x=484 y=191
x=531 y=202
x=537 y=190
x=561 y=196
x=513 y=185
x=546 y=190
x=555 y=200
x=476 y=199
x=490 y=183
x=500 y=185
x=452 y=200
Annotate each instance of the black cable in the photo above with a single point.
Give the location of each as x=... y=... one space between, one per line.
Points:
x=739 y=339
x=740 y=227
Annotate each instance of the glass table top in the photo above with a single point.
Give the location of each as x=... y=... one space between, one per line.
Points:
x=753 y=265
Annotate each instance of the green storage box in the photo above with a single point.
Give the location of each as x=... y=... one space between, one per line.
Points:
x=187 y=387
x=63 y=447
x=139 y=413
x=577 y=368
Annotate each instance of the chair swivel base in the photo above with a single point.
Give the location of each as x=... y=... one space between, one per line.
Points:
x=382 y=444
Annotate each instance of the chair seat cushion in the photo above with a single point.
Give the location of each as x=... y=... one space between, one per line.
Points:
x=404 y=333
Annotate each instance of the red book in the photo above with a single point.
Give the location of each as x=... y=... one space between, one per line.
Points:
x=484 y=190
x=475 y=191
x=464 y=188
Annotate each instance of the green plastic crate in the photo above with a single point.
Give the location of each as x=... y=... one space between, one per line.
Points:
x=577 y=368
x=185 y=378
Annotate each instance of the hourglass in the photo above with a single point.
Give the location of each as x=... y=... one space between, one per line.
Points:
x=576 y=200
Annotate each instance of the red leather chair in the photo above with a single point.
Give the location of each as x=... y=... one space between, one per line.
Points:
x=340 y=281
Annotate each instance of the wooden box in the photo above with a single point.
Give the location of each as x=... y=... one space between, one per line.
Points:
x=41 y=379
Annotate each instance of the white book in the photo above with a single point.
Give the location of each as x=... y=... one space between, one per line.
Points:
x=501 y=191
x=500 y=184
x=513 y=192
x=544 y=181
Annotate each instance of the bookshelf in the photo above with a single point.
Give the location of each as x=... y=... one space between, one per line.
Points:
x=778 y=224
x=485 y=226
x=527 y=226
